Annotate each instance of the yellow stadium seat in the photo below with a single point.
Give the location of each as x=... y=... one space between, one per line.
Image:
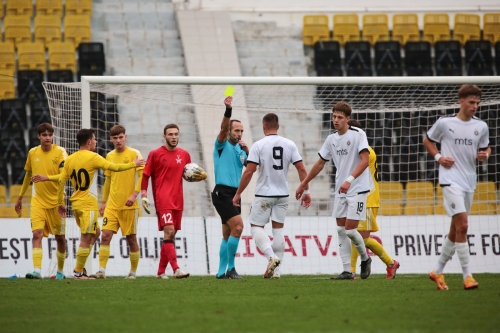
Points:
x=7 y=56
x=466 y=28
x=375 y=28
x=19 y=7
x=77 y=29
x=405 y=28
x=345 y=28
x=436 y=27
x=7 y=84
x=315 y=29
x=62 y=56
x=31 y=56
x=8 y=212
x=391 y=198
x=79 y=7
x=3 y=194
x=49 y=7
x=17 y=29
x=14 y=194
x=439 y=208
x=491 y=30
x=485 y=199
x=419 y=198
x=47 y=29
x=1 y=10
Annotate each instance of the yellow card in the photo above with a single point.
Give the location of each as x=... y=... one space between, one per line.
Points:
x=229 y=91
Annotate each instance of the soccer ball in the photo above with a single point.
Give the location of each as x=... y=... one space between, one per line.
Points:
x=194 y=173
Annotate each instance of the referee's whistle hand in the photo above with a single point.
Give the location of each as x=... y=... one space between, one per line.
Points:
x=236 y=200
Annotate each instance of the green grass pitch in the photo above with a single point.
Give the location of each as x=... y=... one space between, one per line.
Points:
x=410 y=303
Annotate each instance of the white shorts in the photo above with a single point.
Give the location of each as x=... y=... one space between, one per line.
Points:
x=268 y=208
x=456 y=201
x=353 y=208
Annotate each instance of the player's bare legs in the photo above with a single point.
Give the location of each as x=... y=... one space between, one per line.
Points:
x=169 y=255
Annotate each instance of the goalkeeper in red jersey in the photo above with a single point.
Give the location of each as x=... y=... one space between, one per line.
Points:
x=165 y=166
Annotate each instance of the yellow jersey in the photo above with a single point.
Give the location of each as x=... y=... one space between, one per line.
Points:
x=373 y=199
x=124 y=183
x=44 y=194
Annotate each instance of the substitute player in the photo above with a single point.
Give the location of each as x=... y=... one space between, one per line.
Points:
x=43 y=163
x=165 y=166
x=119 y=206
x=463 y=138
x=230 y=155
x=80 y=167
x=347 y=147
x=370 y=224
x=273 y=154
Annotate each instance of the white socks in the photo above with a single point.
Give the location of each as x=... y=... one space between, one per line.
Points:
x=279 y=245
x=463 y=256
x=446 y=254
x=358 y=242
x=344 y=248
x=262 y=241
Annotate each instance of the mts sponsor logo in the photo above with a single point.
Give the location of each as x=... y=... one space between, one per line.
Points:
x=463 y=142
x=341 y=152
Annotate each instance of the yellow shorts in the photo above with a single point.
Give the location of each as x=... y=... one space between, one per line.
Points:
x=371 y=220
x=125 y=219
x=48 y=220
x=86 y=220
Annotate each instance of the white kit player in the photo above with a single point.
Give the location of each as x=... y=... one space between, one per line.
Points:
x=273 y=154
x=463 y=138
x=348 y=148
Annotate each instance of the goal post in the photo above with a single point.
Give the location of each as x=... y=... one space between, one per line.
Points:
x=394 y=111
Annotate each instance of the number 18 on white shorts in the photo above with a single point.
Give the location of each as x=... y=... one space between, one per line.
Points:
x=353 y=208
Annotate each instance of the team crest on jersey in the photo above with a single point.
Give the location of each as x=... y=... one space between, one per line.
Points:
x=476 y=133
x=178 y=159
x=453 y=205
x=55 y=160
x=348 y=142
x=126 y=160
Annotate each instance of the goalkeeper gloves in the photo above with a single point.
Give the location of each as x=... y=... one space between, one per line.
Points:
x=199 y=175
x=145 y=203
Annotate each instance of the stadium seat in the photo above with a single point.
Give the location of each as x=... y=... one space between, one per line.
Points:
x=76 y=29
x=8 y=212
x=13 y=115
x=17 y=29
x=33 y=140
x=12 y=144
x=327 y=60
x=448 y=58
x=4 y=172
x=466 y=28
x=16 y=189
x=79 y=7
x=3 y=194
x=345 y=28
x=405 y=28
x=49 y=7
x=388 y=59
x=40 y=112
x=419 y=198
x=478 y=58
x=357 y=59
x=17 y=176
x=485 y=199
x=1 y=10
x=7 y=84
x=7 y=56
x=315 y=29
x=491 y=29
x=19 y=7
x=375 y=28
x=47 y=29
x=91 y=57
x=418 y=60
x=436 y=28
x=31 y=56
x=497 y=59
x=391 y=198
x=60 y=75
x=62 y=56
x=29 y=84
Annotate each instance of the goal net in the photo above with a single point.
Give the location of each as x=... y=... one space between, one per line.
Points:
x=395 y=113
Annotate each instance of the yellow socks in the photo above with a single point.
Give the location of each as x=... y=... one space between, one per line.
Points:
x=134 y=260
x=60 y=260
x=103 y=256
x=354 y=257
x=379 y=250
x=81 y=258
x=37 y=257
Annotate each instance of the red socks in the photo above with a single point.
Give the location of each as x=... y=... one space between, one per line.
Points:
x=167 y=255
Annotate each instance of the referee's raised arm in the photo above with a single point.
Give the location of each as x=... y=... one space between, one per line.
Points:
x=224 y=126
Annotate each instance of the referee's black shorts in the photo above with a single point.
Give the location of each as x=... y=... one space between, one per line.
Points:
x=222 y=199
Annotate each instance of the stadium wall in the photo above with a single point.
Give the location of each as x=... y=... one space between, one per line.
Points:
x=311 y=246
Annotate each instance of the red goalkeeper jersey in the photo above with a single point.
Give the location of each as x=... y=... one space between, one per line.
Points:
x=165 y=169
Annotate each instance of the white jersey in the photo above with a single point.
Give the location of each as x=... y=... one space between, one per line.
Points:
x=344 y=150
x=273 y=154
x=460 y=140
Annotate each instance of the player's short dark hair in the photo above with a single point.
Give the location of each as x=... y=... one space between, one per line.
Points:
x=343 y=107
x=84 y=135
x=170 y=126
x=271 y=120
x=469 y=90
x=231 y=123
x=354 y=122
x=45 y=127
x=117 y=130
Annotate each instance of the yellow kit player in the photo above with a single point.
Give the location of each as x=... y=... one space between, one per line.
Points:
x=44 y=162
x=81 y=167
x=119 y=206
x=370 y=225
